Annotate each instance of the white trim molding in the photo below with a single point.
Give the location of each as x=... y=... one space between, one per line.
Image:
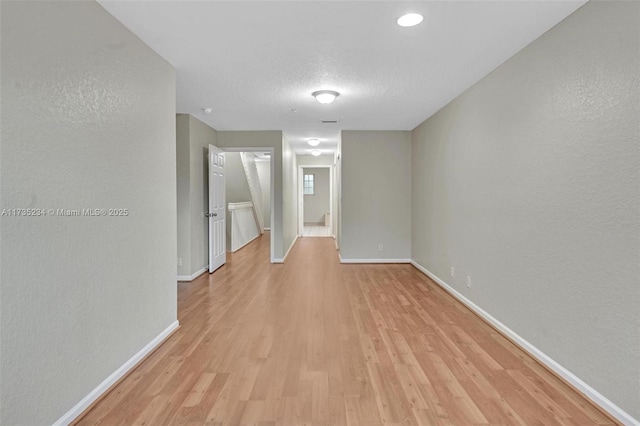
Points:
x=243 y=205
x=589 y=392
x=374 y=260
x=194 y=276
x=103 y=387
x=288 y=251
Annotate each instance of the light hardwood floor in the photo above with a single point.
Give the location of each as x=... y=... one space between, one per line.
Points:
x=315 y=342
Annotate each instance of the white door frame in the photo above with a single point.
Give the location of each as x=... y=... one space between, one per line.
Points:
x=270 y=150
x=301 y=197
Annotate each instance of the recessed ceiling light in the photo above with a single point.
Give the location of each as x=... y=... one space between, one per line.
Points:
x=410 y=20
x=313 y=142
x=207 y=110
x=315 y=152
x=325 y=96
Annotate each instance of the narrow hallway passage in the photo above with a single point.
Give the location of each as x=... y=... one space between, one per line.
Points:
x=316 y=342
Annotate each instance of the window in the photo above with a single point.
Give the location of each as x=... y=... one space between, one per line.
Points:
x=309 y=187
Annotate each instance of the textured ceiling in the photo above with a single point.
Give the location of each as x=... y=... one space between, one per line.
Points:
x=256 y=62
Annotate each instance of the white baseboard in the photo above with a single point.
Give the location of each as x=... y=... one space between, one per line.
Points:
x=288 y=251
x=267 y=229
x=85 y=402
x=374 y=260
x=194 y=276
x=574 y=380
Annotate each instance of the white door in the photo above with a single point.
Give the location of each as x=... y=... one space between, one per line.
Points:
x=217 y=212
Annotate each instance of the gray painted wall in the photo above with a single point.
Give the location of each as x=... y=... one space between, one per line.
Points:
x=289 y=195
x=183 y=179
x=264 y=174
x=316 y=205
x=337 y=205
x=235 y=182
x=192 y=149
x=310 y=160
x=376 y=195
x=88 y=121
x=200 y=136
x=529 y=183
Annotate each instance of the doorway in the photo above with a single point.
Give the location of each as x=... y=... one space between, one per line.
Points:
x=315 y=201
x=240 y=213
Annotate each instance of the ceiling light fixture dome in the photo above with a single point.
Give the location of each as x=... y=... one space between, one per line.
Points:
x=315 y=152
x=313 y=142
x=410 y=20
x=207 y=110
x=325 y=96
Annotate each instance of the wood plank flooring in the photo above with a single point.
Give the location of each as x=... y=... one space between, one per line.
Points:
x=314 y=342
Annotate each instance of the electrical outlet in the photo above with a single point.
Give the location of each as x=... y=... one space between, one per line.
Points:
x=380 y=247
x=468 y=281
x=179 y=261
x=453 y=271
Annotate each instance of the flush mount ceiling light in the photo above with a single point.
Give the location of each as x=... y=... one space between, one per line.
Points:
x=315 y=152
x=313 y=142
x=410 y=20
x=325 y=96
x=207 y=110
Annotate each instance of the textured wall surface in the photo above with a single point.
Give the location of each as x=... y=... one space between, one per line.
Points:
x=529 y=183
x=235 y=182
x=264 y=174
x=192 y=149
x=376 y=195
x=200 y=136
x=183 y=183
x=310 y=160
x=88 y=121
x=289 y=195
x=316 y=205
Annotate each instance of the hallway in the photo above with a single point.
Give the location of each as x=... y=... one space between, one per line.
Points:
x=316 y=342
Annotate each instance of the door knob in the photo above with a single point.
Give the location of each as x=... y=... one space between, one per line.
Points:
x=214 y=214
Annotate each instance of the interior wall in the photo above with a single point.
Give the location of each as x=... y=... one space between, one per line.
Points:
x=264 y=174
x=376 y=195
x=337 y=204
x=236 y=186
x=529 y=183
x=316 y=205
x=192 y=151
x=290 y=195
x=183 y=194
x=310 y=160
x=88 y=122
x=269 y=139
x=200 y=136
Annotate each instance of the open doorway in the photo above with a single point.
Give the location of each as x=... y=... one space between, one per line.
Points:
x=315 y=201
x=249 y=196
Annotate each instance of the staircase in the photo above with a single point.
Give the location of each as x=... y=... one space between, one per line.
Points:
x=251 y=171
